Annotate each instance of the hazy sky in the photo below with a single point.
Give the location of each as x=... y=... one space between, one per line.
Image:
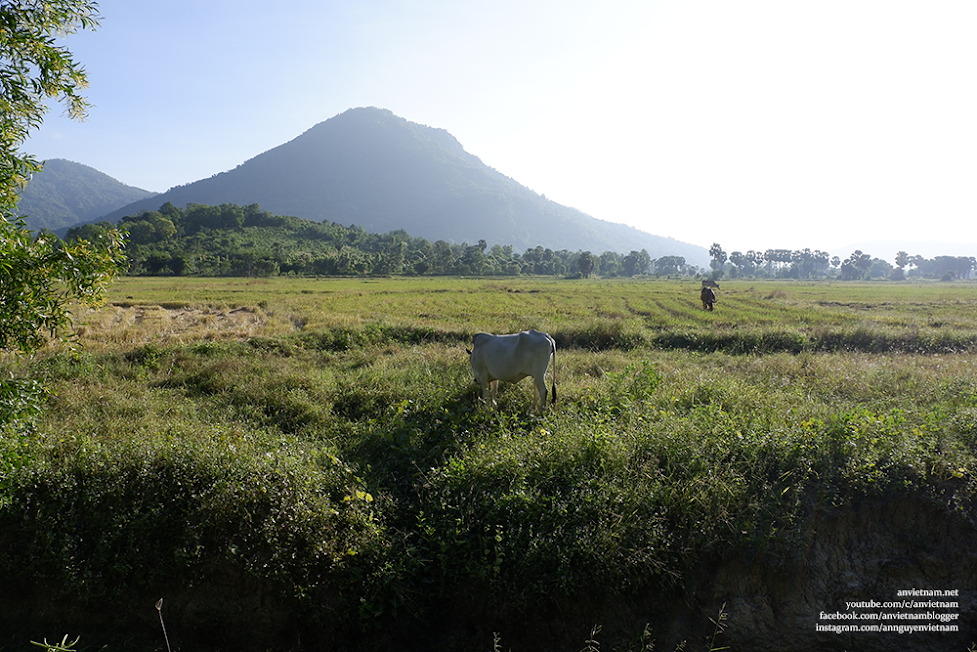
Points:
x=755 y=124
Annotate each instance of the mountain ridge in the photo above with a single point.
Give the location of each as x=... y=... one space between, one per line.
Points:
x=369 y=167
x=65 y=193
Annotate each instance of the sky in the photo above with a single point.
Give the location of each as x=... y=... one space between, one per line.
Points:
x=753 y=124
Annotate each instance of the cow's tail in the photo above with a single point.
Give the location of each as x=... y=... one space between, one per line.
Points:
x=554 y=370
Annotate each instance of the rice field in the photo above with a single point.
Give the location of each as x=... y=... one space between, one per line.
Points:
x=824 y=316
x=312 y=452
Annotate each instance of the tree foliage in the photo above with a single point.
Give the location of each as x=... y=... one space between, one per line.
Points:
x=808 y=263
x=41 y=275
x=719 y=258
x=34 y=69
x=230 y=240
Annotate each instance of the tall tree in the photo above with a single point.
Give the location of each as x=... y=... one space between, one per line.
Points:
x=718 y=259
x=902 y=259
x=636 y=262
x=41 y=275
x=585 y=263
x=856 y=266
x=742 y=262
x=669 y=264
x=34 y=70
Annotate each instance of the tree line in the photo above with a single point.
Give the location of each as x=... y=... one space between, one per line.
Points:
x=808 y=264
x=232 y=240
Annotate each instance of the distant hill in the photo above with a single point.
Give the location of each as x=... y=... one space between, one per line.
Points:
x=371 y=168
x=65 y=193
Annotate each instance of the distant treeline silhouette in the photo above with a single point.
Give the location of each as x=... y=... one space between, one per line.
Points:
x=807 y=263
x=232 y=240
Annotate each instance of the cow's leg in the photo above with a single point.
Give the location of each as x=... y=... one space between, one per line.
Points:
x=540 y=391
x=483 y=393
x=494 y=387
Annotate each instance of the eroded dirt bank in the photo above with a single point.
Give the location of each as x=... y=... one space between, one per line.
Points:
x=865 y=554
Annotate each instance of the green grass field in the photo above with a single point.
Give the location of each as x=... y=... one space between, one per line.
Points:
x=318 y=443
x=752 y=317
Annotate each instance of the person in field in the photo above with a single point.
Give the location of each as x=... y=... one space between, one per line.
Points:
x=708 y=296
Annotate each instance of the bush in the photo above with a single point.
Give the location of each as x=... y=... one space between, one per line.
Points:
x=110 y=521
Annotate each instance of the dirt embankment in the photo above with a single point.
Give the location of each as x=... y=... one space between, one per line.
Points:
x=875 y=554
x=866 y=555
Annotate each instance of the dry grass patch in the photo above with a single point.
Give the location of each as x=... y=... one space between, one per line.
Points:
x=134 y=325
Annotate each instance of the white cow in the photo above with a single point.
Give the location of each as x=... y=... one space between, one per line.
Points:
x=511 y=358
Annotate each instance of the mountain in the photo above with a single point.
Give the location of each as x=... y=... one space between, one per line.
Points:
x=381 y=172
x=65 y=193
